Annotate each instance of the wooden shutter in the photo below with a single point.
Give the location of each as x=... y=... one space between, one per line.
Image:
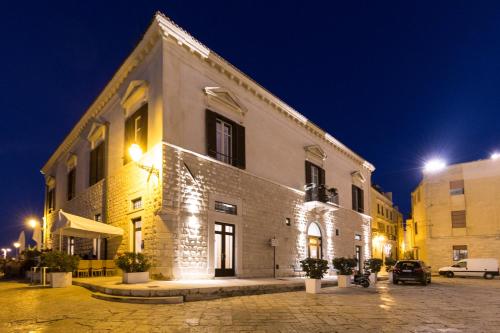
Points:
x=71 y=184
x=459 y=247
x=143 y=139
x=100 y=162
x=238 y=149
x=210 y=133
x=129 y=138
x=321 y=176
x=354 y=198
x=361 y=200
x=308 y=172
x=458 y=219
x=92 y=168
x=456 y=184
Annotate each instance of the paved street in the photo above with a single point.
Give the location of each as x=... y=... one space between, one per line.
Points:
x=448 y=305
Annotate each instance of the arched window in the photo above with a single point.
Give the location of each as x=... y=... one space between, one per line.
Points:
x=314 y=241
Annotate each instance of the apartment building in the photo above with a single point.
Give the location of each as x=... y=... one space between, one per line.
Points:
x=386 y=224
x=456 y=213
x=193 y=163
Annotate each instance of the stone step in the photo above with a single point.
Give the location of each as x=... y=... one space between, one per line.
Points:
x=139 y=299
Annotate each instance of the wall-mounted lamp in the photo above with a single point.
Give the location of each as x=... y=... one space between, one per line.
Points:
x=135 y=152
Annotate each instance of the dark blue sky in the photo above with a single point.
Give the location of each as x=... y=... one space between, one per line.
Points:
x=397 y=82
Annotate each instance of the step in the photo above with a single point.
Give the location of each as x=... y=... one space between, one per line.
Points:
x=139 y=299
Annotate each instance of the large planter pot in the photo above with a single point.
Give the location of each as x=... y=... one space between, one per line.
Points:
x=313 y=286
x=373 y=279
x=343 y=281
x=60 y=279
x=136 y=277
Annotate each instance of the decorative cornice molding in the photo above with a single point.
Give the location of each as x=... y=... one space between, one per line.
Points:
x=316 y=151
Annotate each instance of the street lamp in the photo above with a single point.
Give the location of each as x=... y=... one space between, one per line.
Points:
x=135 y=152
x=434 y=165
x=17 y=245
x=5 y=251
x=37 y=231
x=32 y=223
x=495 y=156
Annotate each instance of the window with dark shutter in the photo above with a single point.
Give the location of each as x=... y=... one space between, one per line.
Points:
x=51 y=199
x=96 y=164
x=458 y=219
x=71 y=184
x=225 y=139
x=358 y=204
x=314 y=174
x=457 y=187
x=136 y=131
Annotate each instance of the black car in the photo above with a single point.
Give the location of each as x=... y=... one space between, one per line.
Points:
x=412 y=271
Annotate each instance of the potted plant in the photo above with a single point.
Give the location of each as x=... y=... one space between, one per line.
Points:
x=315 y=269
x=135 y=267
x=389 y=263
x=374 y=265
x=60 y=266
x=344 y=267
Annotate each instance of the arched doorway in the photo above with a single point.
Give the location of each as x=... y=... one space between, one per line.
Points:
x=314 y=241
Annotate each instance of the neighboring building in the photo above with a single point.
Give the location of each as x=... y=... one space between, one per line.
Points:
x=456 y=214
x=227 y=167
x=386 y=222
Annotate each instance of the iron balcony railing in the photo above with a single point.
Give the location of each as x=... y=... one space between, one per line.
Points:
x=321 y=193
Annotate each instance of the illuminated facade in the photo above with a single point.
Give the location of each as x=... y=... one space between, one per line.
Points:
x=234 y=167
x=456 y=214
x=386 y=224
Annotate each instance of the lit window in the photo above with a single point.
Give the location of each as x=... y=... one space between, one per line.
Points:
x=288 y=221
x=226 y=208
x=224 y=141
x=138 y=242
x=460 y=252
x=98 y=217
x=357 y=237
x=137 y=203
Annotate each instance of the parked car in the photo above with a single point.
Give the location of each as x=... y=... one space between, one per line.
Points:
x=411 y=271
x=487 y=268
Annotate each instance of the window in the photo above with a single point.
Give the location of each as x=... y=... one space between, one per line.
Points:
x=288 y=221
x=415 y=227
x=357 y=199
x=337 y=232
x=137 y=203
x=390 y=215
x=314 y=174
x=225 y=140
x=137 y=242
x=380 y=226
x=96 y=164
x=358 y=258
x=136 y=131
x=458 y=219
x=71 y=184
x=51 y=199
x=357 y=237
x=71 y=245
x=378 y=209
x=457 y=187
x=98 y=217
x=226 y=208
x=459 y=252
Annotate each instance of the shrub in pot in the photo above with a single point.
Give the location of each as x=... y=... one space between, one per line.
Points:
x=344 y=267
x=374 y=265
x=135 y=267
x=315 y=269
x=60 y=266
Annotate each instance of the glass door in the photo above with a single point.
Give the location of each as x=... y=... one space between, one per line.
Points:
x=224 y=249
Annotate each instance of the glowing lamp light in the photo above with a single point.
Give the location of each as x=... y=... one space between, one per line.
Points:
x=17 y=245
x=495 y=156
x=434 y=165
x=32 y=223
x=135 y=152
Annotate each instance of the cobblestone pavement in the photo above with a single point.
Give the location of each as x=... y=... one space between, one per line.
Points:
x=447 y=305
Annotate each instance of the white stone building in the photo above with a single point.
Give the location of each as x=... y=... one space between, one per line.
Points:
x=227 y=166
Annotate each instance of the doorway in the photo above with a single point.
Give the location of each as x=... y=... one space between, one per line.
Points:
x=314 y=248
x=224 y=249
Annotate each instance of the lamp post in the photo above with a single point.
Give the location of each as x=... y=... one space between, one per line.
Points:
x=5 y=251
x=17 y=245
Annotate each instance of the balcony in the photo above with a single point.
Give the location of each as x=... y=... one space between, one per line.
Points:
x=321 y=196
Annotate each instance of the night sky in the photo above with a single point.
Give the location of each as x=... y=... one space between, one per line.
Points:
x=397 y=82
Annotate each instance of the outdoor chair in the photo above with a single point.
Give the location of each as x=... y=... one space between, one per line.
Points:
x=83 y=269
x=97 y=267
x=109 y=267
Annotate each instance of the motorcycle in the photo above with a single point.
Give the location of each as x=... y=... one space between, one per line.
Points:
x=362 y=279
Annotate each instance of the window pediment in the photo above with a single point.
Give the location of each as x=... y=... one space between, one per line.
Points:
x=316 y=151
x=136 y=94
x=221 y=97
x=358 y=176
x=71 y=162
x=50 y=182
x=96 y=134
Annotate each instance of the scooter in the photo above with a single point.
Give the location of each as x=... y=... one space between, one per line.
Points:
x=362 y=279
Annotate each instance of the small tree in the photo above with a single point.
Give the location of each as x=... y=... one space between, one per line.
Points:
x=389 y=262
x=58 y=261
x=314 y=268
x=344 y=266
x=374 y=265
x=131 y=262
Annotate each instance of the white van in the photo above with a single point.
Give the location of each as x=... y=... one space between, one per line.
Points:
x=487 y=268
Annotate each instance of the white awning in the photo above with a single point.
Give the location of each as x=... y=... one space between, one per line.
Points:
x=77 y=226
